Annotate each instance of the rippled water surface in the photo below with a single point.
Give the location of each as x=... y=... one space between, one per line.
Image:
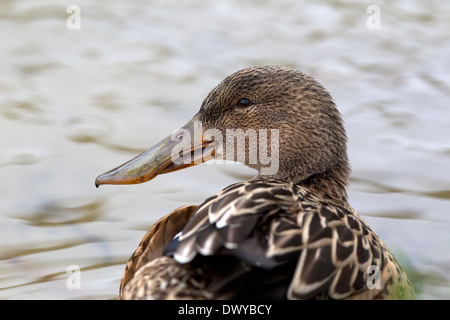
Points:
x=77 y=102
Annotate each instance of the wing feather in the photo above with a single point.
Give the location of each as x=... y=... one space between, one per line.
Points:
x=260 y=237
x=155 y=241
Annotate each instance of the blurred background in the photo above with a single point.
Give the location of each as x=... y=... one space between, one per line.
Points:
x=84 y=90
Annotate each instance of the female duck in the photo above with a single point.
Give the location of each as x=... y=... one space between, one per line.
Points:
x=290 y=232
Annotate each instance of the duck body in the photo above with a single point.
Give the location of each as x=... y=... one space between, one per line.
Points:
x=289 y=234
x=266 y=239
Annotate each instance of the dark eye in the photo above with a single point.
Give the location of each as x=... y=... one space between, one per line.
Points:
x=243 y=103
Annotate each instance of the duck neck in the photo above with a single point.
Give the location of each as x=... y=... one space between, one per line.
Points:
x=330 y=186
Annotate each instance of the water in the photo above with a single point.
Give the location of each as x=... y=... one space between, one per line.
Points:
x=75 y=103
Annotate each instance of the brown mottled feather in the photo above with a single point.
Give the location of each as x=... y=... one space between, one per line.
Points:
x=155 y=240
x=280 y=240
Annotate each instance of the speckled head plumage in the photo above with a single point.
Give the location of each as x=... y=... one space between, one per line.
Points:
x=311 y=133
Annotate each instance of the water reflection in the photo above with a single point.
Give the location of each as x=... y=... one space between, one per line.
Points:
x=74 y=103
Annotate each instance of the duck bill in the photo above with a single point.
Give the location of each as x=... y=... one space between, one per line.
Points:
x=184 y=148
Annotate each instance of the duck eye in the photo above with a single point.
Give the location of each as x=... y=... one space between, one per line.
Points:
x=243 y=103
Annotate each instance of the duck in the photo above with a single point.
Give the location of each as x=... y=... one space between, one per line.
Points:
x=287 y=233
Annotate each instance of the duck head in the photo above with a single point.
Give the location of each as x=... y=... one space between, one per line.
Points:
x=274 y=119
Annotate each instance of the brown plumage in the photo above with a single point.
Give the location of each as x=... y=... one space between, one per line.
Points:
x=286 y=234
